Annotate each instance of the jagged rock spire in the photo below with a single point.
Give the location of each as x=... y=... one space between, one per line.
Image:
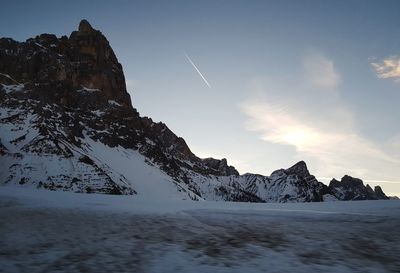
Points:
x=300 y=168
x=84 y=26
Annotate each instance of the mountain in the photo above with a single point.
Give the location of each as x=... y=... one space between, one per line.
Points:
x=350 y=188
x=67 y=123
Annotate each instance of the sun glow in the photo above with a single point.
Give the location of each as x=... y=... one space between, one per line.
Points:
x=298 y=136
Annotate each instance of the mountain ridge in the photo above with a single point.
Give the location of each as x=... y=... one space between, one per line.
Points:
x=62 y=98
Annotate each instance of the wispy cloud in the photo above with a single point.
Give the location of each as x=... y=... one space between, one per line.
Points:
x=320 y=127
x=198 y=71
x=336 y=148
x=320 y=71
x=388 y=68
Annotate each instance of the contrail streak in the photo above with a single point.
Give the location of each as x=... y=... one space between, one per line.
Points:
x=198 y=71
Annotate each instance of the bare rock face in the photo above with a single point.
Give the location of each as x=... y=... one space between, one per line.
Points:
x=300 y=168
x=95 y=65
x=380 y=194
x=84 y=61
x=221 y=166
x=350 y=188
x=84 y=26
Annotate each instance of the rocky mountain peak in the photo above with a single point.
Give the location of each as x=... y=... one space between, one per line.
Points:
x=347 y=182
x=300 y=169
x=351 y=181
x=220 y=165
x=84 y=26
x=61 y=69
x=95 y=64
x=351 y=188
x=379 y=193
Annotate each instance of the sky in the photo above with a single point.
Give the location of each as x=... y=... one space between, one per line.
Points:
x=261 y=83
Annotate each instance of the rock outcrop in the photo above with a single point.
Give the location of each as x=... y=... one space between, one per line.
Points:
x=58 y=67
x=379 y=193
x=350 y=188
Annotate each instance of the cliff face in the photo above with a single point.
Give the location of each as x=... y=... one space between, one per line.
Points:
x=63 y=102
x=84 y=60
x=350 y=188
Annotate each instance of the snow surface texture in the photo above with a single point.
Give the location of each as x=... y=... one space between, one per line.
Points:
x=45 y=231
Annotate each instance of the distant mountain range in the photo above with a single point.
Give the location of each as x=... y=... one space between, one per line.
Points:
x=67 y=123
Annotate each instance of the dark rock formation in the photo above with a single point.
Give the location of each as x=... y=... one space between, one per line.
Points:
x=379 y=193
x=61 y=67
x=300 y=169
x=350 y=188
x=220 y=166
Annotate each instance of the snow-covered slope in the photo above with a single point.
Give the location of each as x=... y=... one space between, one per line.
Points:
x=145 y=177
x=48 y=160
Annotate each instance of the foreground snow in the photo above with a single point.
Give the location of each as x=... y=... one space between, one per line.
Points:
x=43 y=231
